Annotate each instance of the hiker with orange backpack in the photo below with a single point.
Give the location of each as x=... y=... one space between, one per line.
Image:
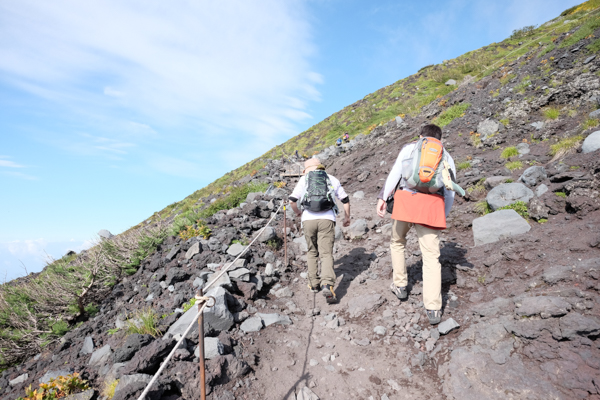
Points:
x=422 y=185
x=316 y=191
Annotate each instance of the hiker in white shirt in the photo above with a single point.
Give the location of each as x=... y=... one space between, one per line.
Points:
x=318 y=222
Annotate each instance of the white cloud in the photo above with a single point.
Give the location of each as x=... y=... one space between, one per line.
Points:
x=9 y=164
x=11 y=172
x=32 y=255
x=26 y=247
x=113 y=92
x=237 y=64
x=19 y=175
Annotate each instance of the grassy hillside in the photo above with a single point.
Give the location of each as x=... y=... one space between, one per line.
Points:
x=406 y=97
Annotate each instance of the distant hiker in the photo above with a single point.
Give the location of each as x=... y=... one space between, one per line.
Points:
x=317 y=191
x=346 y=137
x=419 y=166
x=338 y=142
x=296 y=154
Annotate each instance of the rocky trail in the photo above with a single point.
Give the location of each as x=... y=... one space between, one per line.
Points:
x=521 y=316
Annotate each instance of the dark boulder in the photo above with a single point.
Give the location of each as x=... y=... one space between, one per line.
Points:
x=176 y=275
x=132 y=345
x=148 y=359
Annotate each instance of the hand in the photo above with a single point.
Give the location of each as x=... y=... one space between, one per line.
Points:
x=298 y=214
x=381 y=208
x=346 y=221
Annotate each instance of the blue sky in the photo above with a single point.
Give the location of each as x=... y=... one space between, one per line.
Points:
x=111 y=110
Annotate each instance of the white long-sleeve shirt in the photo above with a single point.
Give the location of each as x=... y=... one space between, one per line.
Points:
x=307 y=215
x=396 y=174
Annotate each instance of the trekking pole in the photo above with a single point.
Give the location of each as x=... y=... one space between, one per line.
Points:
x=285 y=233
x=200 y=301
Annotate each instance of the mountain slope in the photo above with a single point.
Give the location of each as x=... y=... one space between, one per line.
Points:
x=528 y=304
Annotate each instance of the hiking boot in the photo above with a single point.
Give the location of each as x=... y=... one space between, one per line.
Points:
x=313 y=289
x=400 y=291
x=328 y=293
x=435 y=316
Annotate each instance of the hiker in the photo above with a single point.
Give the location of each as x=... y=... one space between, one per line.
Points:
x=427 y=212
x=297 y=155
x=338 y=142
x=346 y=137
x=316 y=191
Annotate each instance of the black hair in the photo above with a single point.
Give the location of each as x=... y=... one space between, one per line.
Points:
x=431 y=130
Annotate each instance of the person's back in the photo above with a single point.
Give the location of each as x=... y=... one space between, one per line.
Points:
x=316 y=192
x=427 y=213
x=338 y=142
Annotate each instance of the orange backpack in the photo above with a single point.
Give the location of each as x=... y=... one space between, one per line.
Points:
x=431 y=155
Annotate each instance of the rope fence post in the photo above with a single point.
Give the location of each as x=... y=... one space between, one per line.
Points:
x=285 y=233
x=201 y=301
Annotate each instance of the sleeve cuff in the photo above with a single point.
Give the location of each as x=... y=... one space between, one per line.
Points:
x=345 y=200
x=293 y=199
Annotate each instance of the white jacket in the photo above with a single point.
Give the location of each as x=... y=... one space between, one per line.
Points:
x=396 y=175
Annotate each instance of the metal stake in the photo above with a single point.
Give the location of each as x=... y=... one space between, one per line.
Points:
x=199 y=296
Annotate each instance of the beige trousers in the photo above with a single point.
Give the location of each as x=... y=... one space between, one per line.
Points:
x=429 y=242
x=320 y=235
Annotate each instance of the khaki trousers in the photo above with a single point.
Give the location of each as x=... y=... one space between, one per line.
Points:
x=320 y=235
x=429 y=242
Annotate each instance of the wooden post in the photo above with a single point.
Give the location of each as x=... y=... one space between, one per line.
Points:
x=285 y=233
x=199 y=295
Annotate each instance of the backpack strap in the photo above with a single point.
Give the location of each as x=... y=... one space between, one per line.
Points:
x=331 y=195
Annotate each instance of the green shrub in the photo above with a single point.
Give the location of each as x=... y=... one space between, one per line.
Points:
x=547 y=49
x=551 y=113
x=569 y=11
x=519 y=206
x=144 y=323
x=525 y=82
x=146 y=245
x=275 y=244
x=189 y=304
x=509 y=152
x=235 y=198
x=565 y=146
x=482 y=207
x=62 y=386
x=243 y=241
x=456 y=111
x=509 y=181
x=479 y=187
x=60 y=328
x=542 y=220
x=108 y=390
x=594 y=47
x=523 y=32
x=561 y=194
x=504 y=121
x=514 y=165
x=202 y=230
x=476 y=140
x=463 y=165
x=91 y=309
x=589 y=123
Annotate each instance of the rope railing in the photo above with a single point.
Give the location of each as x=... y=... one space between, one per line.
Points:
x=203 y=303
